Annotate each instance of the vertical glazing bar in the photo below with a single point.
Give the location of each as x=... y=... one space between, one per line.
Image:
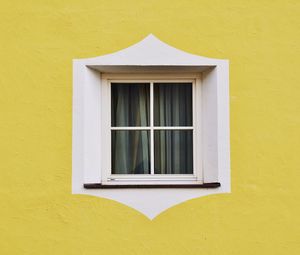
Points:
x=151 y=126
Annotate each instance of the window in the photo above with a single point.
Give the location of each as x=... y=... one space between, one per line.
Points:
x=151 y=117
x=153 y=132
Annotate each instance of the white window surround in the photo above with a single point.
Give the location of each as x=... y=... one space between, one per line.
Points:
x=150 y=58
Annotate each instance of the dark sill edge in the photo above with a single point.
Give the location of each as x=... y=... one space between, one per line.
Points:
x=151 y=186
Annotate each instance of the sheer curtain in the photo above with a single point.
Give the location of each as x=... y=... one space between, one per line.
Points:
x=173 y=149
x=173 y=104
x=130 y=104
x=130 y=152
x=130 y=148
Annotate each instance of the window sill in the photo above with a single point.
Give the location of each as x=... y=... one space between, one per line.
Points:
x=150 y=186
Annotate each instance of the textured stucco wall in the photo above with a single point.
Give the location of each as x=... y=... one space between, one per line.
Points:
x=38 y=40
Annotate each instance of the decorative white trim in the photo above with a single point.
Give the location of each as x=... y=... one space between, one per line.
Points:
x=152 y=57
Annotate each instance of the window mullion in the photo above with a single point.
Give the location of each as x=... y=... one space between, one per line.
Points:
x=151 y=126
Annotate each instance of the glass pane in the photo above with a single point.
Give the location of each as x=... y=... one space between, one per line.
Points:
x=173 y=104
x=173 y=152
x=130 y=152
x=130 y=104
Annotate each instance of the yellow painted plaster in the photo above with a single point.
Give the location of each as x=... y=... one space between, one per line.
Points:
x=38 y=214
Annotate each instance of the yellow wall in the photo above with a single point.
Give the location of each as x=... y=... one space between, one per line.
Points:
x=39 y=39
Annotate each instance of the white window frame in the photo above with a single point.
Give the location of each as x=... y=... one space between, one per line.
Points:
x=151 y=179
x=156 y=58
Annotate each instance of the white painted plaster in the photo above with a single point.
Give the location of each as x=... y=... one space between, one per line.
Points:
x=149 y=56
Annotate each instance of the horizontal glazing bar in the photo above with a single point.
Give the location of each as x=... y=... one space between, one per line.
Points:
x=155 y=128
x=173 y=128
x=130 y=128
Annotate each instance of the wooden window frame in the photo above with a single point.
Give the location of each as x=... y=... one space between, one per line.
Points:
x=150 y=179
